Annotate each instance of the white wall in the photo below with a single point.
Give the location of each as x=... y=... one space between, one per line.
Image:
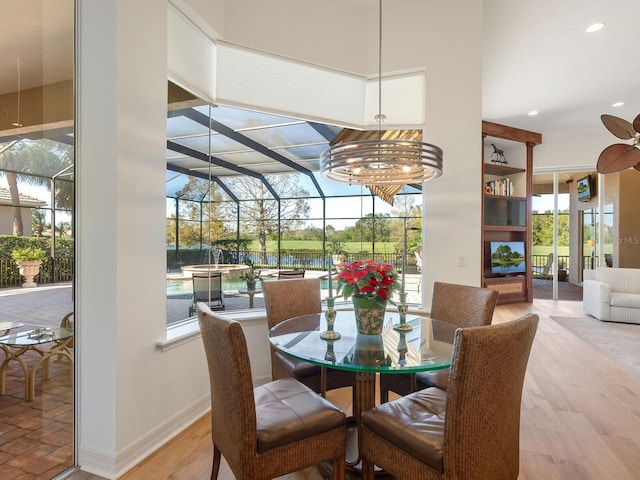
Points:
x=329 y=33
x=570 y=152
x=6 y=221
x=454 y=122
x=132 y=396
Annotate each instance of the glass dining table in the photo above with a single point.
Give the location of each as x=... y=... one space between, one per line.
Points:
x=427 y=346
x=46 y=341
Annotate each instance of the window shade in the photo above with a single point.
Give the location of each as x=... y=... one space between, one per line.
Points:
x=191 y=57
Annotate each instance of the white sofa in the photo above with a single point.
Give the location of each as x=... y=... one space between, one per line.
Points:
x=612 y=294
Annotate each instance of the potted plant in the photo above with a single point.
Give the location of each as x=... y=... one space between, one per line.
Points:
x=371 y=284
x=562 y=270
x=337 y=251
x=251 y=276
x=29 y=260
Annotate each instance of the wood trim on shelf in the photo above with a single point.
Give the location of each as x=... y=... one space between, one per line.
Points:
x=490 y=129
x=510 y=197
x=501 y=170
x=505 y=228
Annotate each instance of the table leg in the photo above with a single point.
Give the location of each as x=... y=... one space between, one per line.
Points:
x=323 y=382
x=15 y=355
x=365 y=392
x=250 y=300
x=45 y=356
x=60 y=348
x=365 y=399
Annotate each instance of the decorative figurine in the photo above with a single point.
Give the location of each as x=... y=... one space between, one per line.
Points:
x=498 y=155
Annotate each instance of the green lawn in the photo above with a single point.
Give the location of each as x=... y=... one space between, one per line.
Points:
x=316 y=246
x=542 y=250
x=381 y=247
x=564 y=251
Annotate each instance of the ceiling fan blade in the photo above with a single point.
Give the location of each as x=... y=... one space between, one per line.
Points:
x=636 y=124
x=619 y=127
x=618 y=157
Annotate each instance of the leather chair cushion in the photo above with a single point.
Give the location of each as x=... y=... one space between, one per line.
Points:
x=437 y=378
x=414 y=423
x=293 y=367
x=288 y=411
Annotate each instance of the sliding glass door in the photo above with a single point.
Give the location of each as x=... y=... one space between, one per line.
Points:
x=37 y=406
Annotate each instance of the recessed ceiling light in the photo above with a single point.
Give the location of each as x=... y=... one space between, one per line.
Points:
x=617 y=104
x=594 y=27
x=532 y=113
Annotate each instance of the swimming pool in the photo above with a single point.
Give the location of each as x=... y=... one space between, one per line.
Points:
x=183 y=286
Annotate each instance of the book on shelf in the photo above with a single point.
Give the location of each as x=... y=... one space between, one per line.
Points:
x=502 y=186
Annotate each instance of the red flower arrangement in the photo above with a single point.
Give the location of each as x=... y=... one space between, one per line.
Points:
x=368 y=279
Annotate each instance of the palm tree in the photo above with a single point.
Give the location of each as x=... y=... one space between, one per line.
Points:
x=34 y=162
x=62 y=228
x=38 y=222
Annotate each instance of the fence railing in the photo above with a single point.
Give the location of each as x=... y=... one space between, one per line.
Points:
x=588 y=261
x=52 y=270
x=288 y=260
x=539 y=261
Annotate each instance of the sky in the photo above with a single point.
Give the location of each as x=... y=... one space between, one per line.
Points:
x=544 y=203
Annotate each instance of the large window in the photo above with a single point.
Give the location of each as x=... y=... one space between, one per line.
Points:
x=247 y=191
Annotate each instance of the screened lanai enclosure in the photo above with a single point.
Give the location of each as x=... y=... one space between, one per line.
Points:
x=243 y=187
x=36 y=203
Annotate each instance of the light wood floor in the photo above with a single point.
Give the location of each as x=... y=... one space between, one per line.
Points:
x=580 y=414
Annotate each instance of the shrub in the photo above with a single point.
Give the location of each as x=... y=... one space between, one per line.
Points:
x=9 y=243
x=28 y=254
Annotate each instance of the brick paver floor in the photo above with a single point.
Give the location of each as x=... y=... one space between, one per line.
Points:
x=36 y=438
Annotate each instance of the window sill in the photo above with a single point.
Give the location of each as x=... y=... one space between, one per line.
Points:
x=184 y=332
x=179 y=334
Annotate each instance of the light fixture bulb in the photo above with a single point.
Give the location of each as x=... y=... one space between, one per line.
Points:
x=594 y=27
x=533 y=113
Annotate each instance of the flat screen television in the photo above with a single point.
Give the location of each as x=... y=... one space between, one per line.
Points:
x=585 y=189
x=507 y=258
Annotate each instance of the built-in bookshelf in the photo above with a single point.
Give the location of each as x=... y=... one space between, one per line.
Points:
x=506 y=207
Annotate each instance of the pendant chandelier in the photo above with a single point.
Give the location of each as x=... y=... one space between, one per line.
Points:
x=383 y=161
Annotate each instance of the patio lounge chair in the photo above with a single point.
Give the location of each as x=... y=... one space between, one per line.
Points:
x=419 y=267
x=287 y=274
x=207 y=288
x=543 y=271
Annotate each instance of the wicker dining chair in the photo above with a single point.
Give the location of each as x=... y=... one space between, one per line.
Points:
x=291 y=298
x=461 y=305
x=271 y=430
x=470 y=432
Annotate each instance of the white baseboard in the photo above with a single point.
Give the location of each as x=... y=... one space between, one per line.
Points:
x=104 y=465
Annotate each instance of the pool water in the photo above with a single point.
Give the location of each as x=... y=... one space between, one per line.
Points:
x=183 y=286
